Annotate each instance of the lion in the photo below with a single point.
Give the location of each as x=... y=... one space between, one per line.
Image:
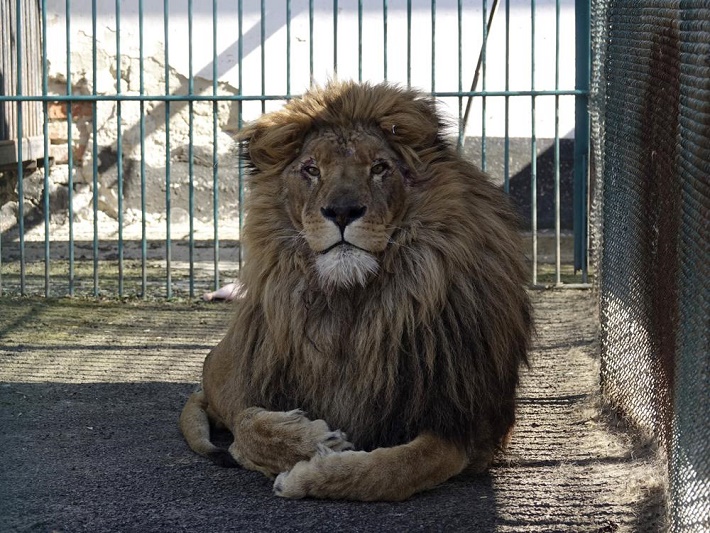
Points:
x=375 y=347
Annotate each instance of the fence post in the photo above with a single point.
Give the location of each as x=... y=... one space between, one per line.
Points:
x=581 y=135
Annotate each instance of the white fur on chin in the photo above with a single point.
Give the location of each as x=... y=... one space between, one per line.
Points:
x=345 y=266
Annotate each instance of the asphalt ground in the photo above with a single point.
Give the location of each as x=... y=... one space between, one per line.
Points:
x=90 y=394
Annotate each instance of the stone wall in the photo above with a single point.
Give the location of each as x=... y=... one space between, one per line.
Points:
x=102 y=118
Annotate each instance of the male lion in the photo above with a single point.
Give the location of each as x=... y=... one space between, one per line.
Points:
x=383 y=299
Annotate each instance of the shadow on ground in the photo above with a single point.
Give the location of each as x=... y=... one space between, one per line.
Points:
x=90 y=393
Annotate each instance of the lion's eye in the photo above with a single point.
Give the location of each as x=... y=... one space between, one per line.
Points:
x=311 y=170
x=379 y=168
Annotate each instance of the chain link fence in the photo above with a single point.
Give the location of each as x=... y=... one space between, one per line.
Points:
x=651 y=163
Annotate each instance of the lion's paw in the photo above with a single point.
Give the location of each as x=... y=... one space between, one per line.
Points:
x=328 y=474
x=289 y=485
x=274 y=441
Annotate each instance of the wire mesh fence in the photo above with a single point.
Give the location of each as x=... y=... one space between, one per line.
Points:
x=133 y=185
x=651 y=88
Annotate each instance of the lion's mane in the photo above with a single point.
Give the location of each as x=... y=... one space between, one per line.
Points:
x=435 y=340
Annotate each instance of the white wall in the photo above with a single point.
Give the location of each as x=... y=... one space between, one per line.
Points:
x=446 y=52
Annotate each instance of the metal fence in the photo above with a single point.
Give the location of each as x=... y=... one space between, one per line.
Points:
x=651 y=109
x=135 y=187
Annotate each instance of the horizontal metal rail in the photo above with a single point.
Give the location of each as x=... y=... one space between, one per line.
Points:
x=253 y=98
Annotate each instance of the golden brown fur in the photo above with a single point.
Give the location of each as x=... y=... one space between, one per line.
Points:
x=408 y=337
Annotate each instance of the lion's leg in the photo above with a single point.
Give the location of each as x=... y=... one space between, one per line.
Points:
x=383 y=474
x=274 y=441
x=195 y=427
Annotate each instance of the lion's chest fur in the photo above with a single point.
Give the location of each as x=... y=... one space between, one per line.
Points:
x=380 y=372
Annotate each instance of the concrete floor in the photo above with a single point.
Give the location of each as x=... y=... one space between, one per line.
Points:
x=90 y=393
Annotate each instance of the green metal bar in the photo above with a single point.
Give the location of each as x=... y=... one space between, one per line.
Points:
x=480 y=63
x=168 y=199
x=94 y=153
x=262 y=28
x=433 y=46
x=45 y=131
x=240 y=166
x=191 y=151
x=310 y=41
x=506 y=142
x=70 y=152
x=215 y=159
x=484 y=50
x=359 y=40
x=119 y=150
x=248 y=98
x=558 y=265
x=384 y=37
x=335 y=37
x=533 y=147
x=581 y=134
x=141 y=90
x=288 y=47
x=20 y=135
x=409 y=43
x=459 y=38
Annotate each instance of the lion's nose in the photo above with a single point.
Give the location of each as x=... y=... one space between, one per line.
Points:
x=343 y=213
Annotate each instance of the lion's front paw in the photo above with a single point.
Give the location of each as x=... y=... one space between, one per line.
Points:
x=328 y=474
x=274 y=441
x=314 y=434
x=289 y=485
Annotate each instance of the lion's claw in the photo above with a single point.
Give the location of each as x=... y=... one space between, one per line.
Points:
x=337 y=441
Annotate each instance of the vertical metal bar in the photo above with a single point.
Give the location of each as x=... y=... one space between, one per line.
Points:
x=191 y=151
x=94 y=153
x=533 y=147
x=558 y=274
x=359 y=40
x=506 y=142
x=459 y=37
x=409 y=43
x=141 y=90
x=288 y=48
x=45 y=131
x=335 y=37
x=20 y=134
x=168 y=250
x=384 y=37
x=240 y=59
x=484 y=50
x=310 y=39
x=581 y=134
x=262 y=27
x=119 y=149
x=433 y=46
x=215 y=159
x=70 y=152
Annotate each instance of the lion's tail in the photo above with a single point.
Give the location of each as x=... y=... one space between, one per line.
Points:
x=195 y=427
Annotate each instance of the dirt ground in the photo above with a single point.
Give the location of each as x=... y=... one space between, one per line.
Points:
x=90 y=394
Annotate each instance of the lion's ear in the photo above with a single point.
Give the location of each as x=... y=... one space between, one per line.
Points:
x=272 y=141
x=414 y=124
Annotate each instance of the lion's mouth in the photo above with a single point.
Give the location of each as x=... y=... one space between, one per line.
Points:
x=345 y=244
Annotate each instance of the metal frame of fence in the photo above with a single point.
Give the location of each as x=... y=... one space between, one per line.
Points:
x=478 y=91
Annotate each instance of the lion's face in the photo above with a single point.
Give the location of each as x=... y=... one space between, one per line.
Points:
x=345 y=192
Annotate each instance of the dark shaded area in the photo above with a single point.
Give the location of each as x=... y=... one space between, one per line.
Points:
x=109 y=457
x=521 y=188
x=518 y=153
